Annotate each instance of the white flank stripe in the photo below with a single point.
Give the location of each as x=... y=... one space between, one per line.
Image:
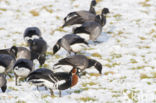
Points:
x=48 y=84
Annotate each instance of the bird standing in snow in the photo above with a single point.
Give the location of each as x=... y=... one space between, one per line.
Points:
x=22 y=68
x=38 y=49
x=93 y=28
x=79 y=17
x=81 y=62
x=59 y=80
x=69 y=42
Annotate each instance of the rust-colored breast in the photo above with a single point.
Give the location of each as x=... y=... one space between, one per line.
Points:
x=74 y=80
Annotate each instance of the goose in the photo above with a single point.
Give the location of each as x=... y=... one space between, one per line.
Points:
x=58 y=80
x=17 y=52
x=32 y=33
x=93 y=28
x=79 y=17
x=3 y=82
x=23 y=53
x=6 y=63
x=10 y=51
x=68 y=42
x=38 y=49
x=22 y=68
x=81 y=62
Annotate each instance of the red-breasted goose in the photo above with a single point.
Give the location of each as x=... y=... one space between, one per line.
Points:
x=59 y=81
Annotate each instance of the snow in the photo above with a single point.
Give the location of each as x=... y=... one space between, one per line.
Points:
x=127 y=50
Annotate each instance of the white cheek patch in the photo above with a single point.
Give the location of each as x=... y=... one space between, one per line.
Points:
x=22 y=71
x=84 y=35
x=2 y=69
x=78 y=47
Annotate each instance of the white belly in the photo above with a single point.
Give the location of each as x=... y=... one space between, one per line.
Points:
x=2 y=69
x=22 y=72
x=84 y=35
x=78 y=47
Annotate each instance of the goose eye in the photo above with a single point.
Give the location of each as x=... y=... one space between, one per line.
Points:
x=16 y=68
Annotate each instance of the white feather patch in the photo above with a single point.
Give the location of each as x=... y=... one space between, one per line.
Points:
x=48 y=84
x=62 y=68
x=78 y=47
x=2 y=69
x=84 y=35
x=22 y=72
x=35 y=37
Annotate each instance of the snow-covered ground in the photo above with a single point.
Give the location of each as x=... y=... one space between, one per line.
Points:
x=127 y=51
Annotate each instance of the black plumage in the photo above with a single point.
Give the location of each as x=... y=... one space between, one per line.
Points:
x=32 y=33
x=38 y=49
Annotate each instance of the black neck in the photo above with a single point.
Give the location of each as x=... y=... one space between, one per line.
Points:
x=67 y=84
x=59 y=42
x=91 y=63
x=103 y=19
x=96 y=64
x=92 y=9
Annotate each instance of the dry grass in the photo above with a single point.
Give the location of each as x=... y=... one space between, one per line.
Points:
x=34 y=13
x=97 y=55
x=87 y=99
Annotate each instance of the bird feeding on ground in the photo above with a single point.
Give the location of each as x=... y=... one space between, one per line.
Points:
x=59 y=80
